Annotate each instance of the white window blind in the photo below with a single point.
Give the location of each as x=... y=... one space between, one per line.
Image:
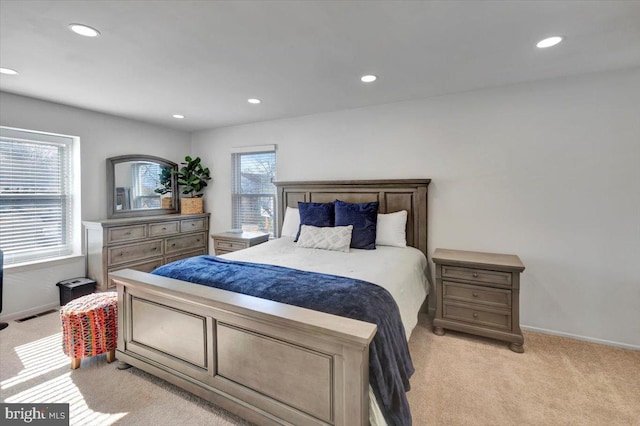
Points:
x=254 y=194
x=144 y=182
x=35 y=195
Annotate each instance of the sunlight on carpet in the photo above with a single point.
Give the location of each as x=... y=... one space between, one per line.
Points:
x=62 y=390
x=38 y=357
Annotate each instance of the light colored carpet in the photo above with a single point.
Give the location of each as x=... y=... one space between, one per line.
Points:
x=459 y=380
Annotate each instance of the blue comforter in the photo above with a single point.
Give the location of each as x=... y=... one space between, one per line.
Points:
x=390 y=365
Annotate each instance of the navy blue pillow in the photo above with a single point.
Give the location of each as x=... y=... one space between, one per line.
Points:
x=315 y=214
x=363 y=217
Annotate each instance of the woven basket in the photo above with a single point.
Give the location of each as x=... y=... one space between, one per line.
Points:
x=166 y=202
x=191 y=205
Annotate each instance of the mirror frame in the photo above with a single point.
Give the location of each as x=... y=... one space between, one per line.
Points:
x=112 y=213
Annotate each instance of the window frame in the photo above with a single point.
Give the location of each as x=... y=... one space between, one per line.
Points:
x=236 y=184
x=68 y=193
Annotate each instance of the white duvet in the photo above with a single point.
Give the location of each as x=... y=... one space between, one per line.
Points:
x=402 y=271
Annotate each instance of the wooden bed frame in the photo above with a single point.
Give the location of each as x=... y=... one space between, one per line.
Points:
x=268 y=362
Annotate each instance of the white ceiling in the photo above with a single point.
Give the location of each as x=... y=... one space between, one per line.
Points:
x=204 y=59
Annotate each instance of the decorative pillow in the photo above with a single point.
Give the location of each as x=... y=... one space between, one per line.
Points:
x=291 y=223
x=363 y=217
x=335 y=238
x=392 y=229
x=316 y=214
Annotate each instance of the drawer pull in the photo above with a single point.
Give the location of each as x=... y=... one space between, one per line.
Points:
x=475 y=294
x=154 y=248
x=127 y=233
x=121 y=253
x=475 y=315
x=198 y=240
x=173 y=245
x=164 y=229
x=475 y=275
x=193 y=224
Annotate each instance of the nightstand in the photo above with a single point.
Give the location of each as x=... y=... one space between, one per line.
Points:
x=226 y=242
x=479 y=293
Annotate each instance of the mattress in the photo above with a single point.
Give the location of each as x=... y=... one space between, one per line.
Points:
x=401 y=271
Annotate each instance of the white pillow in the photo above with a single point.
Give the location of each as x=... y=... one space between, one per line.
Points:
x=337 y=238
x=391 y=229
x=291 y=223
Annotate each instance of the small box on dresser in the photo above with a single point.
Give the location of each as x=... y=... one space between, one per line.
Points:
x=227 y=242
x=142 y=243
x=479 y=293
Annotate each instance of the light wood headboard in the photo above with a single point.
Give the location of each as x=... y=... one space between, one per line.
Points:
x=393 y=195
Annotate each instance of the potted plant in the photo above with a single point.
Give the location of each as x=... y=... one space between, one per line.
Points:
x=192 y=177
x=164 y=182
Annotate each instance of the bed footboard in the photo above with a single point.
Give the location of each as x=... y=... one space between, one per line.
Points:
x=265 y=361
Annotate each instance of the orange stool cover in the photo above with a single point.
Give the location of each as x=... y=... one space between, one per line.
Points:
x=90 y=325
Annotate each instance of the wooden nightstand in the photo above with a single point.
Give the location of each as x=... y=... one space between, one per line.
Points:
x=479 y=293
x=226 y=242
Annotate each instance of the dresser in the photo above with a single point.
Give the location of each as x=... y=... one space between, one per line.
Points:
x=226 y=242
x=479 y=293
x=143 y=243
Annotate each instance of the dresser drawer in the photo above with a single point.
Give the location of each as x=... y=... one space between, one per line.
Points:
x=147 y=266
x=187 y=242
x=192 y=225
x=477 y=294
x=132 y=252
x=221 y=252
x=175 y=257
x=126 y=233
x=228 y=245
x=164 y=228
x=477 y=275
x=477 y=314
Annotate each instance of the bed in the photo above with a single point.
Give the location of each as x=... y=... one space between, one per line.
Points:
x=268 y=362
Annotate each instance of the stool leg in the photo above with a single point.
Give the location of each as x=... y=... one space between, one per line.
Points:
x=111 y=356
x=75 y=363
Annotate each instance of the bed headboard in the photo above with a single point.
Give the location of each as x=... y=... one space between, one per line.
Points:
x=393 y=195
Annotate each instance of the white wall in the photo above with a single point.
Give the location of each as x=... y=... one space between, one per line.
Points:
x=101 y=136
x=549 y=171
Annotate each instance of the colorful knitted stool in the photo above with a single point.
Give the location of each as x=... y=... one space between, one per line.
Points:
x=90 y=327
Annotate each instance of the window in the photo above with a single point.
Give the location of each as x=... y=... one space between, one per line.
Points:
x=254 y=194
x=145 y=181
x=36 y=196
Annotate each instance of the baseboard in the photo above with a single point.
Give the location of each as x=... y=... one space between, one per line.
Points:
x=583 y=338
x=29 y=312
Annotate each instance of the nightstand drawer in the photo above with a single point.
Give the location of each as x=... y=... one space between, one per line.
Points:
x=229 y=245
x=164 y=228
x=477 y=315
x=221 y=252
x=126 y=233
x=133 y=252
x=189 y=242
x=478 y=275
x=477 y=294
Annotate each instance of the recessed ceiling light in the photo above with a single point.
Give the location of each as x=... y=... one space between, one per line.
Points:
x=368 y=78
x=8 y=71
x=254 y=101
x=180 y=116
x=84 y=30
x=548 y=42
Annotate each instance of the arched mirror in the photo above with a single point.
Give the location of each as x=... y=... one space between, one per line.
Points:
x=141 y=185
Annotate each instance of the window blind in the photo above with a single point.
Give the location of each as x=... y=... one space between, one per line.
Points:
x=144 y=178
x=35 y=196
x=253 y=191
